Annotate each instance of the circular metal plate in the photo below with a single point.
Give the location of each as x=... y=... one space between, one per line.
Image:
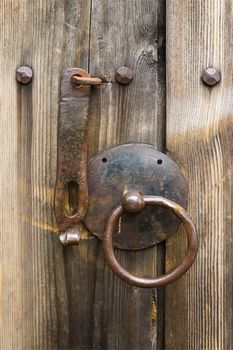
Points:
x=134 y=167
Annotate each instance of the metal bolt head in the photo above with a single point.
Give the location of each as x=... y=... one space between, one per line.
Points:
x=133 y=202
x=211 y=76
x=124 y=75
x=24 y=75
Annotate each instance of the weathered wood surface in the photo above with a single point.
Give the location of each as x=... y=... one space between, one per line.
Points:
x=66 y=298
x=125 y=33
x=34 y=300
x=199 y=310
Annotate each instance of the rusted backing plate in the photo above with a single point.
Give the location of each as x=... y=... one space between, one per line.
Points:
x=134 y=167
x=72 y=151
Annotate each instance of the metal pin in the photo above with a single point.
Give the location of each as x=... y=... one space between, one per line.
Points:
x=77 y=80
x=71 y=236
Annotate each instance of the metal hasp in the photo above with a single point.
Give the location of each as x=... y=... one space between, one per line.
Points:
x=71 y=193
x=141 y=168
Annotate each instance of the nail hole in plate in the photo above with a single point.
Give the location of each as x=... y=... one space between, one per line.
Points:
x=104 y=160
x=159 y=161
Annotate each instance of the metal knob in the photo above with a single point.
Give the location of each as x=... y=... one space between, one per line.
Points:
x=135 y=202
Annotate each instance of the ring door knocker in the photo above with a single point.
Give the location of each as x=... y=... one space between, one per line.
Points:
x=130 y=196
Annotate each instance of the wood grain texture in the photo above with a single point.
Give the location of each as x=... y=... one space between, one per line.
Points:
x=199 y=137
x=127 y=33
x=66 y=298
x=34 y=309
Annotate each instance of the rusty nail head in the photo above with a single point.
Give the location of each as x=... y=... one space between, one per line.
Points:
x=124 y=75
x=24 y=75
x=211 y=76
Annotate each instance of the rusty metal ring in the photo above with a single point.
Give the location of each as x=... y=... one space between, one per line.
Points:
x=135 y=202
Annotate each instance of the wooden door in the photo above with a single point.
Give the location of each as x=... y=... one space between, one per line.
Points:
x=55 y=297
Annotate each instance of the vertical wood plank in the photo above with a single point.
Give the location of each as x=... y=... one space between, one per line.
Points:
x=127 y=33
x=199 y=137
x=47 y=35
x=66 y=298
